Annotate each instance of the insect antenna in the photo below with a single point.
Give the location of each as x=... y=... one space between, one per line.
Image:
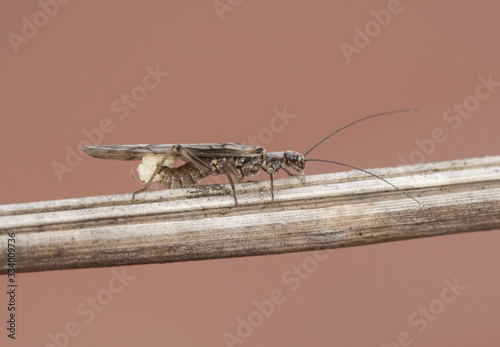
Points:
x=368 y=172
x=357 y=168
x=360 y=120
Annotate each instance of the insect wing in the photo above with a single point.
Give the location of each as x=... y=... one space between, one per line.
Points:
x=135 y=152
x=227 y=149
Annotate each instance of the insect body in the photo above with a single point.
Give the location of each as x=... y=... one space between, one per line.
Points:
x=230 y=159
x=201 y=160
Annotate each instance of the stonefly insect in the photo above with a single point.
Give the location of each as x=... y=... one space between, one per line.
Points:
x=205 y=159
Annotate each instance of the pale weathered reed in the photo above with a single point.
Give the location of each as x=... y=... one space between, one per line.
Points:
x=335 y=210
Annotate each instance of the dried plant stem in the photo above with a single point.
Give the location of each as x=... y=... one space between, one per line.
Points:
x=330 y=211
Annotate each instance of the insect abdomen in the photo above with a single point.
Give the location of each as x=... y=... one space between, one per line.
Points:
x=182 y=176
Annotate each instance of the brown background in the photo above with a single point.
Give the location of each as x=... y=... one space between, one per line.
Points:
x=226 y=77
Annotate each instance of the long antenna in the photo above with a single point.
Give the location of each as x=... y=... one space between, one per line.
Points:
x=370 y=173
x=360 y=120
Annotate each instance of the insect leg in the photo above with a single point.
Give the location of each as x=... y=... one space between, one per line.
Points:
x=228 y=169
x=189 y=157
x=301 y=175
x=271 y=180
x=288 y=172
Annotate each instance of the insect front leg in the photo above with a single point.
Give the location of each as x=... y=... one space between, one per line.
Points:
x=300 y=175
